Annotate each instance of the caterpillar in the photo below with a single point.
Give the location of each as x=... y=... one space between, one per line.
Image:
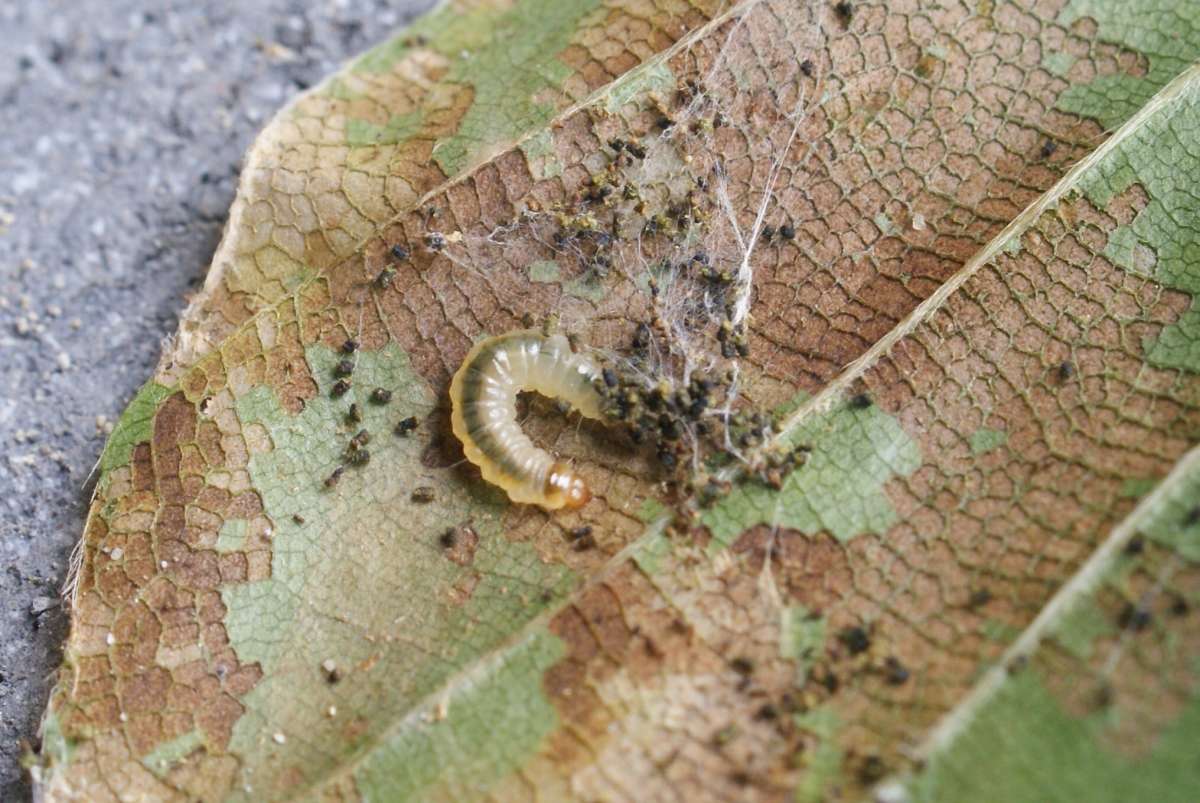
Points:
x=483 y=397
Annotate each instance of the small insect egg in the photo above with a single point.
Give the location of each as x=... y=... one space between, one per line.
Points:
x=1134 y=617
x=354 y=415
x=894 y=672
x=725 y=735
x=340 y=387
x=381 y=396
x=860 y=401
x=360 y=440
x=297 y=518
x=767 y=713
x=384 y=279
x=855 y=639
x=332 y=479
x=350 y=346
x=872 y=770
x=344 y=368
x=423 y=494
x=742 y=665
x=787 y=231
x=358 y=457
x=600 y=193
x=448 y=539
x=610 y=377
x=979 y=597
x=399 y=253
x=641 y=337
x=435 y=241
x=406 y=425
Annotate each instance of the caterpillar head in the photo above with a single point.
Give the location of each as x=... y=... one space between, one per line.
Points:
x=565 y=488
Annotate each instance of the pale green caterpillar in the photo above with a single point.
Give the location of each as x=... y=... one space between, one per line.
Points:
x=483 y=395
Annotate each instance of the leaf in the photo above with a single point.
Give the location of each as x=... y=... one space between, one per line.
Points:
x=982 y=582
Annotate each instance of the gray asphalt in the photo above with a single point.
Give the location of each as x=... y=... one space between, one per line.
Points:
x=122 y=128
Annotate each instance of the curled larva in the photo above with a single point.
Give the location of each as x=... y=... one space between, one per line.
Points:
x=483 y=395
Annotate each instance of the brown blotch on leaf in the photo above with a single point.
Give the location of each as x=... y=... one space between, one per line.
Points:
x=570 y=684
x=145 y=692
x=143 y=468
x=813 y=570
x=613 y=627
x=174 y=423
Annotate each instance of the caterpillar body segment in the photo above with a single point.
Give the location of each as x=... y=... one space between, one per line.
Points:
x=483 y=396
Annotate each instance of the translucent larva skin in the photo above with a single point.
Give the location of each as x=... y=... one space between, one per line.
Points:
x=483 y=395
